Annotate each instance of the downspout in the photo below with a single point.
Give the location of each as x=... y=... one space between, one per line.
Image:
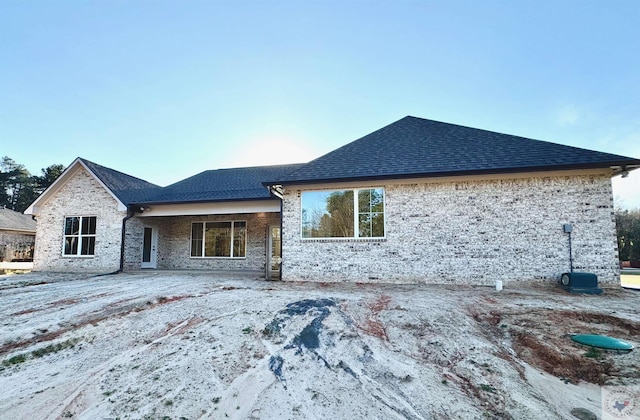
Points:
x=131 y=211
x=130 y=214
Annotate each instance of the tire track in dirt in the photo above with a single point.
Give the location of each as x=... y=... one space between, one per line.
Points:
x=87 y=380
x=110 y=311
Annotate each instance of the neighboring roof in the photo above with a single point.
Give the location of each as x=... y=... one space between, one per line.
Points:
x=221 y=185
x=12 y=220
x=417 y=147
x=127 y=188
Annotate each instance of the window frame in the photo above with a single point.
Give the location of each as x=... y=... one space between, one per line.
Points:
x=80 y=236
x=356 y=216
x=203 y=242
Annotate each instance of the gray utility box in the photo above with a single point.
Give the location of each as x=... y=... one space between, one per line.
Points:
x=580 y=283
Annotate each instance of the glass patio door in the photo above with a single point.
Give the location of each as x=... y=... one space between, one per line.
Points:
x=149 y=248
x=274 y=253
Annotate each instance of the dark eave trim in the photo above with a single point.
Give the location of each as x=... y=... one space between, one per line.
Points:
x=630 y=165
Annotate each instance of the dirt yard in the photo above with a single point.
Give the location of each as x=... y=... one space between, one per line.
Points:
x=183 y=345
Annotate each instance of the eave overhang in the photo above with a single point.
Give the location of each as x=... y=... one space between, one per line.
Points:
x=617 y=168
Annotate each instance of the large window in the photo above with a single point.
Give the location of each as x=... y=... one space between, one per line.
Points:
x=343 y=213
x=219 y=239
x=79 y=235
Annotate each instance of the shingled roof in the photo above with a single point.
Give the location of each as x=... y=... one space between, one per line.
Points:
x=417 y=147
x=408 y=148
x=221 y=185
x=14 y=221
x=127 y=188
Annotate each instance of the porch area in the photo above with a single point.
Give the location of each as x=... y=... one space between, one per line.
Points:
x=247 y=243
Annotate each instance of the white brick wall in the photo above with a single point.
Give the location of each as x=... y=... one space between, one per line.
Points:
x=474 y=231
x=133 y=243
x=174 y=239
x=82 y=195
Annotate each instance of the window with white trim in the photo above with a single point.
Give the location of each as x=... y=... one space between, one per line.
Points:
x=357 y=213
x=219 y=239
x=79 y=236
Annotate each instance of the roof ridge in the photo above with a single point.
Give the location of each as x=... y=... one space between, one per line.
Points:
x=223 y=184
x=115 y=171
x=415 y=146
x=282 y=165
x=467 y=127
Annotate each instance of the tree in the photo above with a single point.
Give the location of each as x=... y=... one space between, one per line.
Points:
x=18 y=188
x=17 y=184
x=628 y=232
x=49 y=175
x=339 y=222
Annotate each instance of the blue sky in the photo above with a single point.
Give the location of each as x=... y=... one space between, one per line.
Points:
x=166 y=89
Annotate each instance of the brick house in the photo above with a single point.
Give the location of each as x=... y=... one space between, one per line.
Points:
x=97 y=219
x=416 y=201
x=17 y=236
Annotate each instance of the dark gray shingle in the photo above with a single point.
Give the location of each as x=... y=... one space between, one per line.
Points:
x=221 y=185
x=12 y=220
x=127 y=188
x=414 y=147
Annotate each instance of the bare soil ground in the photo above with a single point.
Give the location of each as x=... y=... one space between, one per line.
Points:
x=186 y=345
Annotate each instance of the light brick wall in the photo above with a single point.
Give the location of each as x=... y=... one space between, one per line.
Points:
x=134 y=232
x=471 y=232
x=82 y=195
x=16 y=245
x=174 y=240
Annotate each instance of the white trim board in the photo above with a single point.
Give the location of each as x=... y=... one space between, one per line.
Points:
x=199 y=209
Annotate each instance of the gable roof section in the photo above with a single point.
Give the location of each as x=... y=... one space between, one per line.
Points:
x=237 y=184
x=124 y=188
x=127 y=188
x=14 y=221
x=416 y=147
x=222 y=185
